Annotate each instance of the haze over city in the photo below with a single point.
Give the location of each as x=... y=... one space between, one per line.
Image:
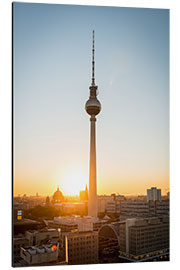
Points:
x=52 y=68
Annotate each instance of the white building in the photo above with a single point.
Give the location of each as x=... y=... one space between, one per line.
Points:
x=153 y=194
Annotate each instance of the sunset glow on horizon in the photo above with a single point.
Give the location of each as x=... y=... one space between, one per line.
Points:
x=52 y=75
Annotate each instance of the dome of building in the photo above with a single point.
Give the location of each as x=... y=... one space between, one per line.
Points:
x=58 y=196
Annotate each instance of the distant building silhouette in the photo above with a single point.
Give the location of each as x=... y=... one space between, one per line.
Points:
x=47 y=200
x=57 y=196
x=83 y=194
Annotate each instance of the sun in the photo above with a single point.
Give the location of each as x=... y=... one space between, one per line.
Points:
x=73 y=181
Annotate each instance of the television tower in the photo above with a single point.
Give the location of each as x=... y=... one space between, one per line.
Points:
x=93 y=107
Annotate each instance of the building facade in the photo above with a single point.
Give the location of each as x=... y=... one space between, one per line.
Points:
x=138 y=208
x=144 y=236
x=153 y=194
x=37 y=237
x=82 y=247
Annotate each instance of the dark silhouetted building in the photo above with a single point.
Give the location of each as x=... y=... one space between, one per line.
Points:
x=57 y=196
x=83 y=194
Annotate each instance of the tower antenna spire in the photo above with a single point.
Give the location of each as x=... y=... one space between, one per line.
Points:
x=93 y=79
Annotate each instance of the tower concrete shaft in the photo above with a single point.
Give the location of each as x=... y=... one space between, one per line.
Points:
x=92 y=202
x=93 y=107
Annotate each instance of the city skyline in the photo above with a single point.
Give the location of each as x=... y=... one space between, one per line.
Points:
x=52 y=68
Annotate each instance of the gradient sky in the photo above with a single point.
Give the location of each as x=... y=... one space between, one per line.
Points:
x=52 y=74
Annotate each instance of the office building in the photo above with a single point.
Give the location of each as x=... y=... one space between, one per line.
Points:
x=141 y=238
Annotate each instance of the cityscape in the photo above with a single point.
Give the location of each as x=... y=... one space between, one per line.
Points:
x=126 y=229
x=78 y=219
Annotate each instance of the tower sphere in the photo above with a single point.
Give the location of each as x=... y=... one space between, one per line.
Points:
x=93 y=106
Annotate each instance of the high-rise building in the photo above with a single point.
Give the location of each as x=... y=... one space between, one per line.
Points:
x=153 y=194
x=93 y=107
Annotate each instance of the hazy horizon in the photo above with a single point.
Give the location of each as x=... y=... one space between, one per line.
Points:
x=77 y=195
x=52 y=74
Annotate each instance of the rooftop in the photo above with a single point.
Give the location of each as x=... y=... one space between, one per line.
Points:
x=48 y=248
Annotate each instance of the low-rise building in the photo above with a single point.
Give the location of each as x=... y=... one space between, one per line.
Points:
x=36 y=237
x=39 y=255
